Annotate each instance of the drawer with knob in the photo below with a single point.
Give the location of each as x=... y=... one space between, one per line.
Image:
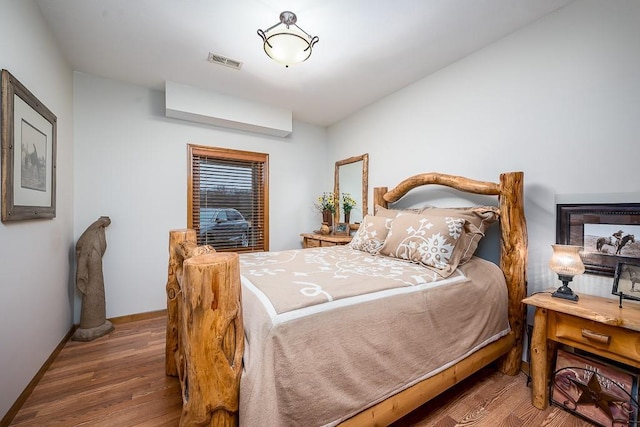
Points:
x=609 y=341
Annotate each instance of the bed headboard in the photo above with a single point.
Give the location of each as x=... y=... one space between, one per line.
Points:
x=513 y=235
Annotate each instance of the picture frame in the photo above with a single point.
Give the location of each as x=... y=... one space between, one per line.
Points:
x=28 y=138
x=341 y=229
x=596 y=227
x=626 y=281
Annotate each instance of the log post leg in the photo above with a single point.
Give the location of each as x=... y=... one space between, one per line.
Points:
x=513 y=262
x=540 y=360
x=176 y=237
x=212 y=340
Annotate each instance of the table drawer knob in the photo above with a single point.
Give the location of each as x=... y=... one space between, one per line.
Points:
x=595 y=336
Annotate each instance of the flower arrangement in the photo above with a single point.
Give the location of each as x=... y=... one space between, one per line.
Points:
x=326 y=202
x=348 y=203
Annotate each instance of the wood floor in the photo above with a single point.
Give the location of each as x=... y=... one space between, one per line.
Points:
x=118 y=380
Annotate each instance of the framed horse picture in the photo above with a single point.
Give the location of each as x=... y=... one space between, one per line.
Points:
x=626 y=281
x=607 y=233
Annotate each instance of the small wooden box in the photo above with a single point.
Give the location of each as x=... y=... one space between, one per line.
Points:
x=602 y=393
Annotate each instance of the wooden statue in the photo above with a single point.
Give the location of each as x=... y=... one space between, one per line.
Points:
x=90 y=282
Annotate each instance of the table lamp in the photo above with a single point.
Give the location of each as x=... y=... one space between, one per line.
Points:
x=566 y=262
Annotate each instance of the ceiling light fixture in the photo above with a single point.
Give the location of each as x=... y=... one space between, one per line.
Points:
x=287 y=43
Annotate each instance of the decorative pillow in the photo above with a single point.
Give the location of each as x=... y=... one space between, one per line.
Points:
x=427 y=240
x=478 y=219
x=391 y=213
x=371 y=234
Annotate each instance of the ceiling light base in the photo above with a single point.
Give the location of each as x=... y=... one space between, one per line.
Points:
x=288 y=18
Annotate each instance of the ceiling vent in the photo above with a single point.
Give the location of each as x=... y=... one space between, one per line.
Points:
x=223 y=60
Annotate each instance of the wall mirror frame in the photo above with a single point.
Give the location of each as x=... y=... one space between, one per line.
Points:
x=345 y=175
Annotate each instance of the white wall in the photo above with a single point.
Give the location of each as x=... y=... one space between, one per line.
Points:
x=36 y=255
x=131 y=165
x=559 y=100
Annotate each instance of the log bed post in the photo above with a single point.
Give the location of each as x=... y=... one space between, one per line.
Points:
x=212 y=340
x=176 y=238
x=205 y=334
x=513 y=261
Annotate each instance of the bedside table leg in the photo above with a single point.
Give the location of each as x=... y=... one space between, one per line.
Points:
x=539 y=361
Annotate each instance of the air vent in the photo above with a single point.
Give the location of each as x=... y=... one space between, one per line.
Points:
x=223 y=60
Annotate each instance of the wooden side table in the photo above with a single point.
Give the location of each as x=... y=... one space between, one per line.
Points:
x=593 y=324
x=314 y=240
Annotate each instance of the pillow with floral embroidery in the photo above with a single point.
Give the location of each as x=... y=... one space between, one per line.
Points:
x=427 y=240
x=371 y=234
x=478 y=219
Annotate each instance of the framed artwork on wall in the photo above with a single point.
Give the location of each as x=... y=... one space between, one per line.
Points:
x=28 y=137
x=607 y=233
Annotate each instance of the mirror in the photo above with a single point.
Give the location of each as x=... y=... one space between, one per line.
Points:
x=352 y=176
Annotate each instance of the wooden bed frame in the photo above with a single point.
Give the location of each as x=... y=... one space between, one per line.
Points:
x=205 y=340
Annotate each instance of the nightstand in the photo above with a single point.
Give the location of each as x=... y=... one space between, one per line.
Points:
x=314 y=240
x=593 y=324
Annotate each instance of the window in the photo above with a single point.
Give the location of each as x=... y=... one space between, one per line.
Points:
x=228 y=198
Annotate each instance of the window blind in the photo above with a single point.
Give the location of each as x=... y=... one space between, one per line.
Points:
x=228 y=198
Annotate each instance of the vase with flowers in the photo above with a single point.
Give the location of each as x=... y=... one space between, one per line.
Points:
x=348 y=203
x=327 y=205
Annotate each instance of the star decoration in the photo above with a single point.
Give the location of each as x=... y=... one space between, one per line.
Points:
x=592 y=394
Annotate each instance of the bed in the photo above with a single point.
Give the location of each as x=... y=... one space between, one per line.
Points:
x=349 y=335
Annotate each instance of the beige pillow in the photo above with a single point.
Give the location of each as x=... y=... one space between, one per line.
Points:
x=478 y=219
x=371 y=234
x=427 y=240
x=391 y=213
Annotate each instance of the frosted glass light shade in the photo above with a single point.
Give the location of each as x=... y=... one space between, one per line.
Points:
x=287 y=47
x=566 y=260
x=287 y=43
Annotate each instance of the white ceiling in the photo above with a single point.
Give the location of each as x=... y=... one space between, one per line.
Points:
x=367 y=48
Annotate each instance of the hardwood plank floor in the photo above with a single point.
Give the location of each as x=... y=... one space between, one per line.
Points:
x=115 y=380
x=118 y=380
x=489 y=398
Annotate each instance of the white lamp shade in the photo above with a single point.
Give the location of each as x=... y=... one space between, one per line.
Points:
x=287 y=47
x=566 y=260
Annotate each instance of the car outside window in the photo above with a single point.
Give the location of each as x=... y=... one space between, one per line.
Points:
x=234 y=216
